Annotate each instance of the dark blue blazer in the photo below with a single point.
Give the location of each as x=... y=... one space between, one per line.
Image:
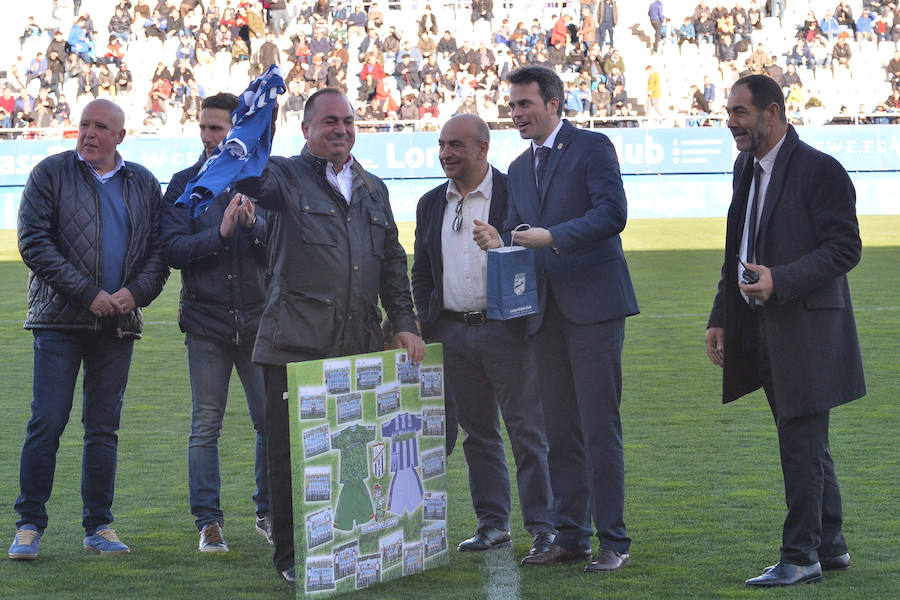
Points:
x=428 y=263
x=582 y=203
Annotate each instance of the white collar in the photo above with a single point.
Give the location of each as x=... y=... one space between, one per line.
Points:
x=768 y=161
x=120 y=162
x=484 y=188
x=548 y=143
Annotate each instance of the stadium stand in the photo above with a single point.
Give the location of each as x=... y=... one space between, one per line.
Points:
x=411 y=64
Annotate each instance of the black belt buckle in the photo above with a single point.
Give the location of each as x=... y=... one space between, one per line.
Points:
x=474 y=317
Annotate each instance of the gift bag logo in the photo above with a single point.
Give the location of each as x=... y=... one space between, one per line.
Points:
x=519 y=284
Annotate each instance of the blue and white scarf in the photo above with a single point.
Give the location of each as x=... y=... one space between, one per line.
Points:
x=244 y=151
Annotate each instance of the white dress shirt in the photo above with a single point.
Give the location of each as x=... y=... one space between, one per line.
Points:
x=548 y=143
x=465 y=264
x=767 y=163
x=342 y=181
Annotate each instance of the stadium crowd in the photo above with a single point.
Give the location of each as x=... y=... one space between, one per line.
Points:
x=160 y=59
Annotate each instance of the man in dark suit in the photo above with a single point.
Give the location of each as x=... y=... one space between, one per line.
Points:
x=785 y=321
x=487 y=366
x=574 y=201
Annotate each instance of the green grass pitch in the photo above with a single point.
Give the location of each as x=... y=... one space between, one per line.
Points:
x=704 y=502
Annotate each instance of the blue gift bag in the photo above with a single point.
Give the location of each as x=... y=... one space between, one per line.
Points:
x=511 y=283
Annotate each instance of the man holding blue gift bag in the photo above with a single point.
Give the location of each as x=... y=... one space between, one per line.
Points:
x=488 y=372
x=568 y=188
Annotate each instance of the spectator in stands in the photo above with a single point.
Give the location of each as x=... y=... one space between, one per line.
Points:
x=88 y=83
x=156 y=26
x=464 y=59
x=657 y=18
x=391 y=44
x=607 y=19
x=120 y=25
x=158 y=104
x=773 y=70
x=240 y=51
x=428 y=22
x=560 y=31
x=709 y=90
x=408 y=109
x=372 y=68
x=337 y=74
x=339 y=51
x=587 y=34
x=294 y=102
x=114 y=51
x=43 y=109
x=776 y=9
x=810 y=27
x=376 y=17
x=844 y=15
x=279 y=16
x=790 y=78
x=356 y=22
x=893 y=101
x=754 y=16
x=190 y=110
x=841 y=53
x=406 y=73
x=36 y=68
x=123 y=79
x=800 y=54
x=63 y=110
x=654 y=92
x=864 y=30
x=106 y=82
x=613 y=59
x=615 y=78
x=316 y=74
x=79 y=41
x=893 y=70
x=830 y=26
x=371 y=43
x=32 y=30
x=73 y=67
x=269 y=54
x=705 y=29
x=426 y=44
x=742 y=28
x=760 y=58
x=8 y=101
x=686 y=32
x=482 y=10
x=698 y=100
x=467 y=107
x=819 y=50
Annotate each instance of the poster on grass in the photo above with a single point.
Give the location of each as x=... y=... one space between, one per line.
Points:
x=369 y=469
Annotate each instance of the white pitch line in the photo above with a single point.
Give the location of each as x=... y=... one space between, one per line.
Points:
x=502 y=573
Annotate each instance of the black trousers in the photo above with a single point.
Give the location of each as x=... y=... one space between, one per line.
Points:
x=281 y=505
x=812 y=527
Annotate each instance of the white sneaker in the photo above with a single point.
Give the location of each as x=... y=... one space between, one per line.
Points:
x=211 y=539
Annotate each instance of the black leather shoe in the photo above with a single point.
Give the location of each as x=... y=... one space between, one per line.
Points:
x=289 y=575
x=607 y=559
x=541 y=543
x=841 y=562
x=485 y=539
x=835 y=563
x=556 y=555
x=787 y=574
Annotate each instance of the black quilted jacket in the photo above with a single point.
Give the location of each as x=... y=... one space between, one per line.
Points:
x=60 y=241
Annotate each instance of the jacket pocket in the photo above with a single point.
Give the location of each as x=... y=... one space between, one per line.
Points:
x=834 y=301
x=305 y=322
x=319 y=224
x=377 y=226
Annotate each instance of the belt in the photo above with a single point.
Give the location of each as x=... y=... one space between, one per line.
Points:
x=474 y=317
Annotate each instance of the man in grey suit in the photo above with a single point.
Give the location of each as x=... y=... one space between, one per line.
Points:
x=488 y=371
x=568 y=188
x=784 y=321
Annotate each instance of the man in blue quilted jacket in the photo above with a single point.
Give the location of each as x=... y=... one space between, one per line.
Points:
x=89 y=231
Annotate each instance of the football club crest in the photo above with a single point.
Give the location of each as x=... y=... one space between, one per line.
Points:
x=378 y=460
x=519 y=284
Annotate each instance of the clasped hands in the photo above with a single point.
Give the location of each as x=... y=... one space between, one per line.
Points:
x=112 y=305
x=240 y=209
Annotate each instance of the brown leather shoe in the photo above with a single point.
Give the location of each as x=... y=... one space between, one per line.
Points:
x=607 y=559
x=556 y=555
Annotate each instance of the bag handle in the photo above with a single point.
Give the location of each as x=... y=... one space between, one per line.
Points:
x=519 y=228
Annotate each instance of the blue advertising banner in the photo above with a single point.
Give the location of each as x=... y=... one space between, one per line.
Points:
x=667 y=172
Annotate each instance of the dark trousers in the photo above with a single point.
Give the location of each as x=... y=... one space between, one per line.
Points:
x=281 y=505
x=657 y=33
x=812 y=527
x=580 y=374
x=488 y=374
x=58 y=356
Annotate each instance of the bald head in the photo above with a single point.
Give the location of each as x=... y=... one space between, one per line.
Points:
x=101 y=129
x=116 y=112
x=464 y=143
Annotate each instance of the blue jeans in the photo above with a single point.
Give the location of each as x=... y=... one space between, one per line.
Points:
x=58 y=356
x=209 y=365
